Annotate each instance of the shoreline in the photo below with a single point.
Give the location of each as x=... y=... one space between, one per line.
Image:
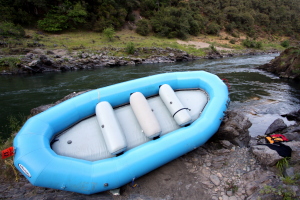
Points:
x=41 y=60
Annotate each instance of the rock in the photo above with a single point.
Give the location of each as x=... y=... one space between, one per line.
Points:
x=265 y=155
x=250 y=188
x=225 y=197
x=234 y=129
x=42 y=108
x=232 y=198
x=295 y=146
x=45 y=60
x=289 y=172
x=215 y=179
x=293 y=116
x=226 y=144
x=277 y=125
x=285 y=65
x=294 y=135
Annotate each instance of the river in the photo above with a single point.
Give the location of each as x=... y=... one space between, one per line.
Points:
x=263 y=96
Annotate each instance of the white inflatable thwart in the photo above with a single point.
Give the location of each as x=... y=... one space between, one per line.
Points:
x=145 y=115
x=177 y=110
x=110 y=127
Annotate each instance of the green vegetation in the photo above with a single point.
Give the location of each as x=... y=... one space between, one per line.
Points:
x=109 y=33
x=9 y=63
x=143 y=27
x=167 y=18
x=230 y=186
x=10 y=29
x=130 y=49
x=285 y=43
x=252 y=43
x=8 y=170
x=285 y=192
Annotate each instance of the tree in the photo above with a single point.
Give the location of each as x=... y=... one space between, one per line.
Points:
x=143 y=27
x=63 y=17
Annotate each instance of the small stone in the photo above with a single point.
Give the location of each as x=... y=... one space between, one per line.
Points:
x=232 y=198
x=229 y=193
x=225 y=197
x=215 y=180
x=188 y=186
x=219 y=175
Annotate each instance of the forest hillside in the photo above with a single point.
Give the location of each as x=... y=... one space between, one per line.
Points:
x=166 y=18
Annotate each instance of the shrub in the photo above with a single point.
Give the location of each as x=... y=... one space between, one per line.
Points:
x=252 y=44
x=130 y=49
x=285 y=43
x=143 y=27
x=53 y=23
x=10 y=29
x=10 y=62
x=213 y=28
x=109 y=33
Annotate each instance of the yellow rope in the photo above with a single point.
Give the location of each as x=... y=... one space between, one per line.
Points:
x=10 y=163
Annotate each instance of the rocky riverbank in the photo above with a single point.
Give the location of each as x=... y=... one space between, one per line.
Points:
x=228 y=167
x=40 y=61
x=286 y=65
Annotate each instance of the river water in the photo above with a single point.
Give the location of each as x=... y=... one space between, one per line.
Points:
x=263 y=96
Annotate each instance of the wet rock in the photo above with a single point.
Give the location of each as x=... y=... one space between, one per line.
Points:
x=293 y=116
x=277 y=125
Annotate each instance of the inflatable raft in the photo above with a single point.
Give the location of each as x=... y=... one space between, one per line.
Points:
x=105 y=138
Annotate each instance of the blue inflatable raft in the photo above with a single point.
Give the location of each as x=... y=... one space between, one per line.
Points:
x=105 y=138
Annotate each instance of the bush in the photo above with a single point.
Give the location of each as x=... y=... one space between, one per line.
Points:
x=63 y=17
x=130 y=49
x=213 y=28
x=10 y=29
x=53 y=23
x=252 y=44
x=232 y=41
x=10 y=62
x=285 y=43
x=109 y=33
x=143 y=27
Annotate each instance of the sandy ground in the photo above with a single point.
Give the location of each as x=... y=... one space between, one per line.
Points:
x=201 y=45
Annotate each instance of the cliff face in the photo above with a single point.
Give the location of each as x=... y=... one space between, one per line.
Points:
x=286 y=65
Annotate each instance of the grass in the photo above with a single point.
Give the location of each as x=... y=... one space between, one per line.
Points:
x=93 y=41
x=8 y=171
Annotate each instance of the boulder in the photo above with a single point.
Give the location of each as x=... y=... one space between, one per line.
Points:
x=234 y=129
x=42 y=108
x=293 y=116
x=277 y=125
x=295 y=146
x=265 y=155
